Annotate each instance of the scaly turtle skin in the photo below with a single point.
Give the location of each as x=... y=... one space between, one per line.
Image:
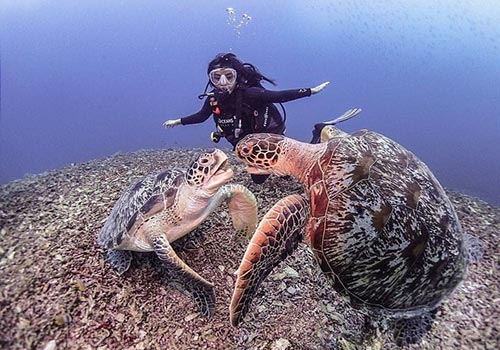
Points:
x=378 y=222
x=162 y=207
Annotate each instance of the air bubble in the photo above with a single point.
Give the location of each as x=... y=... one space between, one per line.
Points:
x=234 y=23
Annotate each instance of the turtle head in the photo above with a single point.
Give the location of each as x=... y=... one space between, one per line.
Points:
x=261 y=153
x=329 y=132
x=210 y=170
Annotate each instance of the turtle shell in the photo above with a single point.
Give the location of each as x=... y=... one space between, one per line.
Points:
x=382 y=226
x=141 y=200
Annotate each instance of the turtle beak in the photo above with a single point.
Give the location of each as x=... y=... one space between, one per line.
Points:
x=223 y=167
x=221 y=177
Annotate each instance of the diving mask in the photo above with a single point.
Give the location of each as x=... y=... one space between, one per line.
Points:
x=223 y=78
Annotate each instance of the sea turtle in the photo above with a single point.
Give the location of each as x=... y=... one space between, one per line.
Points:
x=164 y=206
x=377 y=220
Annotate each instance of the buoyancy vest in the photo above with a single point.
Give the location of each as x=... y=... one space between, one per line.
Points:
x=236 y=118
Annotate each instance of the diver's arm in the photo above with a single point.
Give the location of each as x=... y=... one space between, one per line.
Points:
x=200 y=116
x=269 y=96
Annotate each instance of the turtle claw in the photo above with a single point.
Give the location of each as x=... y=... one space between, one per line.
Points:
x=119 y=259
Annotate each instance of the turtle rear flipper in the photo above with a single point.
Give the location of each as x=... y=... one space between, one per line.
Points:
x=202 y=290
x=410 y=330
x=474 y=248
x=119 y=259
x=276 y=237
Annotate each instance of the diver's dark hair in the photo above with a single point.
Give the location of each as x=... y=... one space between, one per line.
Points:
x=248 y=75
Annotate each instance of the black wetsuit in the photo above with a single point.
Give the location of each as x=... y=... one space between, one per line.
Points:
x=257 y=111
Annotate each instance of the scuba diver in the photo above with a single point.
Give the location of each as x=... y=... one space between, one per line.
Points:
x=240 y=104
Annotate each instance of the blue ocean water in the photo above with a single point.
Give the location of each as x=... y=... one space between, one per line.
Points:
x=85 y=79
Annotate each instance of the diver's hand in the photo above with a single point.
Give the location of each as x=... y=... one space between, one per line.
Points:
x=171 y=123
x=319 y=88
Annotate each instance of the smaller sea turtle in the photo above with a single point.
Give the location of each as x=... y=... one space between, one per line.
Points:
x=162 y=207
x=380 y=225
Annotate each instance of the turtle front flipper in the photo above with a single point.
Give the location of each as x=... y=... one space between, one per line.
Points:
x=276 y=237
x=201 y=289
x=243 y=208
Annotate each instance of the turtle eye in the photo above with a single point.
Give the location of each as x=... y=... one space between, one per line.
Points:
x=245 y=150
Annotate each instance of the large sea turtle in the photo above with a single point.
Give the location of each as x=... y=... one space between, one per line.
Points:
x=162 y=207
x=378 y=222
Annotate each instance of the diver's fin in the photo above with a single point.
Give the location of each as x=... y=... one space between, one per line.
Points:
x=347 y=115
x=318 y=127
